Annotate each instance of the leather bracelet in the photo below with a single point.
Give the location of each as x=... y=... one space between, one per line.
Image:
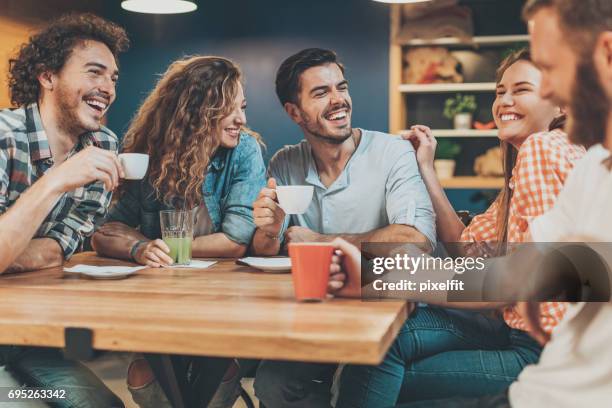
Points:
x=272 y=237
x=135 y=248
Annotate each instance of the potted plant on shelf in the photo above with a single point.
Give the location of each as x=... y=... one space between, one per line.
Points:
x=460 y=110
x=445 y=158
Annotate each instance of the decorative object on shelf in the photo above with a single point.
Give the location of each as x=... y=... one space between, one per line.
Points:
x=431 y=65
x=435 y=19
x=489 y=164
x=484 y=126
x=445 y=158
x=460 y=109
x=404 y=1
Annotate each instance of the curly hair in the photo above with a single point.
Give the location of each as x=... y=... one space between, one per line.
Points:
x=49 y=49
x=177 y=125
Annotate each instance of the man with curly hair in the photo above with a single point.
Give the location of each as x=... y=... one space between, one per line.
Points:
x=62 y=83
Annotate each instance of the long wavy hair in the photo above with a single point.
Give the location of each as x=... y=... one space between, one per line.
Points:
x=509 y=152
x=177 y=125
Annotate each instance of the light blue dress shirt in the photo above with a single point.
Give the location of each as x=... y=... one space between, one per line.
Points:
x=380 y=185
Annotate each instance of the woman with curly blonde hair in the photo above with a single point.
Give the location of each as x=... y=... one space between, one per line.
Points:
x=202 y=157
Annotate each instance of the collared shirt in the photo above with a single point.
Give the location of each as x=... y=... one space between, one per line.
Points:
x=25 y=156
x=380 y=185
x=233 y=180
x=543 y=163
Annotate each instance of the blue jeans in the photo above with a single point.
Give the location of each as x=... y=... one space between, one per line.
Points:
x=488 y=401
x=289 y=384
x=441 y=353
x=47 y=368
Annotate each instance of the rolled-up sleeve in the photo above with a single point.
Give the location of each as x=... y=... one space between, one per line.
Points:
x=247 y=182
x=70 y=229
x=408 y=202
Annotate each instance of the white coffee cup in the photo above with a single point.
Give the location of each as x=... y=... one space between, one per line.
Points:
x=294 y=199
x=134 y=165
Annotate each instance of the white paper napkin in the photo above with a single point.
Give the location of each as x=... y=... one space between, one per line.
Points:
x=195 y=264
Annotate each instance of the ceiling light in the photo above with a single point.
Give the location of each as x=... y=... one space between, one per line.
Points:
x=159 y=6
x=402 y=1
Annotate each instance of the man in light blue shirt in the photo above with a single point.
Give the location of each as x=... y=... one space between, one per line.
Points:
x=367 y=188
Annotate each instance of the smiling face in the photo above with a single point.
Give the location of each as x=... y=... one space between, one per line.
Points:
x=84 y=88
x=229 y=127
x=324 y=104
x=518 y=109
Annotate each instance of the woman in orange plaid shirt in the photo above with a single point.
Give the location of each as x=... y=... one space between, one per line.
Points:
x=441 y=352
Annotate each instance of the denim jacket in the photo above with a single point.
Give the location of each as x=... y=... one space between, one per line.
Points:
x=233 y=181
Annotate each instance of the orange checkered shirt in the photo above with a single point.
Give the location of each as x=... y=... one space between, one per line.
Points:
x=543 y=163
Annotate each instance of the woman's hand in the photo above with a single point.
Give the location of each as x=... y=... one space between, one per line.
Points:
x=345 y=270
x=424 y=143
x=154 y=254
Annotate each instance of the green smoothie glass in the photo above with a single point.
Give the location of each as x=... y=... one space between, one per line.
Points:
x=177 y=233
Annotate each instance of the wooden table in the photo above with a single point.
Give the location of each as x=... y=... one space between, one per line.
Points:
x=224 y=311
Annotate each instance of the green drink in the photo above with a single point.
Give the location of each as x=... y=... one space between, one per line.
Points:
x=177 y=233
x=180 y=249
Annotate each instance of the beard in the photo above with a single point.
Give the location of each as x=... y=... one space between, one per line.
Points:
x=589 y=107
x=70 y=120
x=336 y=140
x=316 y=130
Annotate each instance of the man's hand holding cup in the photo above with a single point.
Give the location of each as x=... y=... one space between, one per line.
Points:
x=268 y=215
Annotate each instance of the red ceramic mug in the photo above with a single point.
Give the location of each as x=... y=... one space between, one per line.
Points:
x=310 y=263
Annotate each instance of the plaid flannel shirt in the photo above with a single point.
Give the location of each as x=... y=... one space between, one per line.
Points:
x=25 y=156
x=543 y=163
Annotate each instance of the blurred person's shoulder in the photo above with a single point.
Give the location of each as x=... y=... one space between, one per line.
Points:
x=591 y=165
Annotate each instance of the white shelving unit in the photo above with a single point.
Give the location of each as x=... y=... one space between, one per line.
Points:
x=473 y=182
x=442 y=88
x=400 y=93
x=489 y=40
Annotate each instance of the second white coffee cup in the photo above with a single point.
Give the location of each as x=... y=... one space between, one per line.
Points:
x=294 y=199
x=134 y=165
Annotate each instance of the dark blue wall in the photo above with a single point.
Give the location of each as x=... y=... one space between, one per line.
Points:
x=259 y=34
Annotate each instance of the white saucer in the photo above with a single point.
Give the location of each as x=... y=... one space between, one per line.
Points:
x=275 y=264
x=108 y=272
